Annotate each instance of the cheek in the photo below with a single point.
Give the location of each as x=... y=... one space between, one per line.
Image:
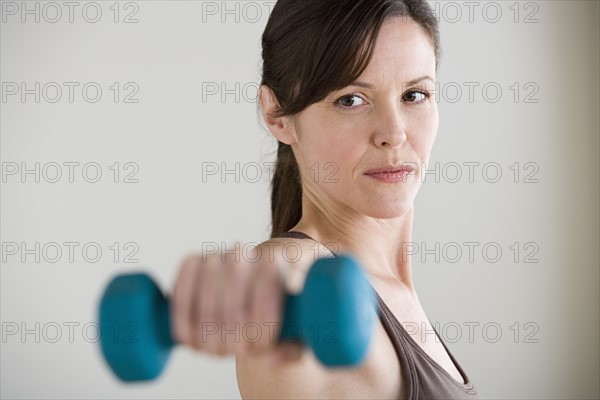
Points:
x=424 y=136
x=333 y=162
x=330 y=154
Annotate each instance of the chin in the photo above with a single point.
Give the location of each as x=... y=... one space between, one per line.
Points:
x=387 y=210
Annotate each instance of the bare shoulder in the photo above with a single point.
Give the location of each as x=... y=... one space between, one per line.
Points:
x=258 y=378
x=378 y=377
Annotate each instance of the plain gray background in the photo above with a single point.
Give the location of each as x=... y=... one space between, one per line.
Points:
x=535 y=324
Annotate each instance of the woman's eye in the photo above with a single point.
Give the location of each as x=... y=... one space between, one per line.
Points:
x=416 y=96
x=350 y=101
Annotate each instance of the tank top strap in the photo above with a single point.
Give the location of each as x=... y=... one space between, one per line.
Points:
x=296 y=235
x=302 y=235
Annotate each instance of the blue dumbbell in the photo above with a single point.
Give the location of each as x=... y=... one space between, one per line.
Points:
x=335 y=315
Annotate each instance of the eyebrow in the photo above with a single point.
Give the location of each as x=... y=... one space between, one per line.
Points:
x=409 y=83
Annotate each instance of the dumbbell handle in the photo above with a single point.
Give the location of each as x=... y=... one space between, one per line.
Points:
x=290 y=327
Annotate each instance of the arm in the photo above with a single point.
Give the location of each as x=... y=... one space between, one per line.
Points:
x=289 y=371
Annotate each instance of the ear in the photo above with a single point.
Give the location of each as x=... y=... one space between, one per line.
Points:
x=281 y=128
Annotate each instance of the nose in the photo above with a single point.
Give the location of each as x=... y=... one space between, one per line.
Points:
x=390 y=130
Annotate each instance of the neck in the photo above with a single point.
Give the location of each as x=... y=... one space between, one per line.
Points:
x=380 y=245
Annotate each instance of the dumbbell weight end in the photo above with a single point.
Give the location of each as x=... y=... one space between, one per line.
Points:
x=135 y=327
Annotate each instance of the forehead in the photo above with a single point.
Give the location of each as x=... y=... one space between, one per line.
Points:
x=403 y=51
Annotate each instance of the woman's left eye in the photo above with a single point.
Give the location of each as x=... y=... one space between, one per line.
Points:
x=416 y=96
x=349 y=102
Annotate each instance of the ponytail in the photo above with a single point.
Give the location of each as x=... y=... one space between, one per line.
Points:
x=286 y=194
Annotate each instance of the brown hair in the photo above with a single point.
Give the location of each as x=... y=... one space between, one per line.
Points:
x=311 y=48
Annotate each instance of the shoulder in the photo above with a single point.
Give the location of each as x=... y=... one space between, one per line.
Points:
x=294 y=249
x=295 y=255
x=305 y=377
x=379 y=376
x=259 y=377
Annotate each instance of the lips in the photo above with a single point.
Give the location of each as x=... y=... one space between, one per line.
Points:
x=389 y=169
x=391 y=173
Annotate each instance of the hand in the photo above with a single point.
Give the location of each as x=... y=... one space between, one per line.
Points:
x=225 y=304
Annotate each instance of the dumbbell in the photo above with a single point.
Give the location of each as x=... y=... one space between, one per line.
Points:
x=334 y=315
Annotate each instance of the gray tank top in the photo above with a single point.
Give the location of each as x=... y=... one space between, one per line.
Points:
x=423 y=377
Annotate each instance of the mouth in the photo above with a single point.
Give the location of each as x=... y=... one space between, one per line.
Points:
x=391 y=173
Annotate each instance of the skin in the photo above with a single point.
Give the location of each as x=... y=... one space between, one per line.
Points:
x=391 y=123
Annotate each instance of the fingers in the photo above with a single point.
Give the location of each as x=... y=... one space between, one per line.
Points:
x=232 y=309
x=181 y=303
x=228 y=305
x=205 y=306
x=266 y=304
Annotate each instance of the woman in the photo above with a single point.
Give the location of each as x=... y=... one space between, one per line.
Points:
x=348 y=92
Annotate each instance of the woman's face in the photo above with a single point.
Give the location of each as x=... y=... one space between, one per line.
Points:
x=360 y=128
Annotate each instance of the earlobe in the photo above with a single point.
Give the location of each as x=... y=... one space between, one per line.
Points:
x=280 y=127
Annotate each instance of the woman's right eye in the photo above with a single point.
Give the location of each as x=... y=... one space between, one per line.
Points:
x=347 y=102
